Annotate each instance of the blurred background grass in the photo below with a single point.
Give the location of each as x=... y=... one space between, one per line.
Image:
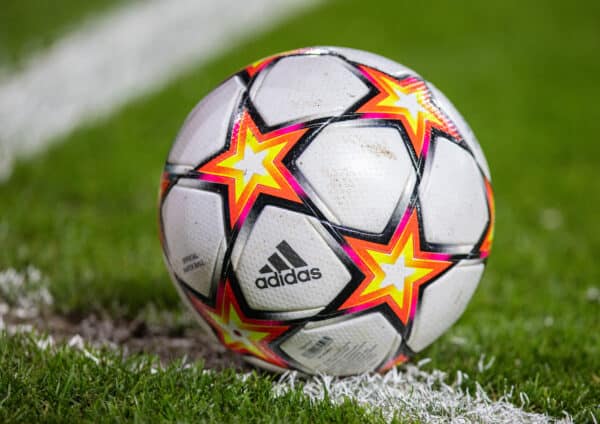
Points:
x=28 y=26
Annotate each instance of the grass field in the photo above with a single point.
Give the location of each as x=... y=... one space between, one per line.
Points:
x=68 y=387
x=525 y=77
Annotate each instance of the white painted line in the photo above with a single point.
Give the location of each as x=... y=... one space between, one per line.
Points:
x=412 y=394
x=119 y=56
x=23 y=294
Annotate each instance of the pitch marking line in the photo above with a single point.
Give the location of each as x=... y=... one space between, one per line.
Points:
x=121 y=55
x=410 y=393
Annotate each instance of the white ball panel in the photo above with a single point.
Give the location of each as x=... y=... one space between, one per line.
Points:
x=463 y=127
x=205 y=130
x=443 y=302
x=310 y=291
x=358 y=173
x=195 y=235
x=301 y=87
x=336 y=347
x=212 y=338
x=453 y=199
x=373 y=60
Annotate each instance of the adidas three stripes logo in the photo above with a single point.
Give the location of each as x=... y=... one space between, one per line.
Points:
x=279 y=264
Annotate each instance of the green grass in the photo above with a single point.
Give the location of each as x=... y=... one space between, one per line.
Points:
x=28 y=26
x=66 y=386
x=526 y=78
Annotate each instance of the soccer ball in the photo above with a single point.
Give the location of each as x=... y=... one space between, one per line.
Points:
x=326 y=210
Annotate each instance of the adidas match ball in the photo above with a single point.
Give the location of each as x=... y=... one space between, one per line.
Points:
x=326 y=210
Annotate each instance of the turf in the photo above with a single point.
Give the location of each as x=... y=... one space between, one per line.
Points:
x=526 y=79
x=67 y=386
x=28 y=26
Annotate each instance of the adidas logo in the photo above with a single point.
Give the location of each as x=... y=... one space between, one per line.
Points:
x=285 y=267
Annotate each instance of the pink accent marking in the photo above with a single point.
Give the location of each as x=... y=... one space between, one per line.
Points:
x=425 y=147
x=236 y=129
x=365 y=74
x=413 y=80
x=212 y=178
x=373 y=115
x=437 y=256
x=244 y=213
x=413 y=305
x=403 y=221
x=358 y=308
x=295 y=185
x=352 y=254
x=287 y=130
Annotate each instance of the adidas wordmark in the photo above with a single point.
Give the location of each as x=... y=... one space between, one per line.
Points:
x=286 y=267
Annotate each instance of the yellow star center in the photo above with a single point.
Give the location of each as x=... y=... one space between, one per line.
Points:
x=397 y=270
x=252 y=165
x=236 y=334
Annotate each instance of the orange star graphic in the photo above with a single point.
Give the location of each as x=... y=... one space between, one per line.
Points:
x=394 y=271
x=394 y=362
x=409 y=101
x=236 y=331
x=488 y=240
x=253 y=165
x=165 y=181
